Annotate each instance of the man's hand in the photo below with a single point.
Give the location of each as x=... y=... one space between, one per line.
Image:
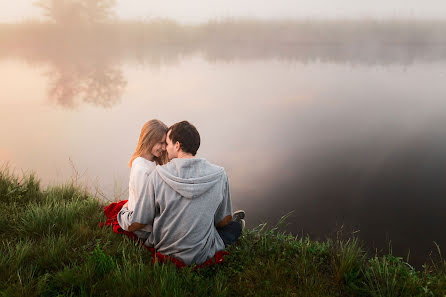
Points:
x=226 y=220
x=126 y=205
x=136 y=226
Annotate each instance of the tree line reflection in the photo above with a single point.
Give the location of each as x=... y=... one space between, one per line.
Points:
x=84 y=56
x=99 y=84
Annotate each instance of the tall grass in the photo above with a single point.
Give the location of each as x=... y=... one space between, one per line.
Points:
x=51 y=246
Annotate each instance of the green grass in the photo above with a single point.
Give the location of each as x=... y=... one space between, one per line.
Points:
x=51 y=246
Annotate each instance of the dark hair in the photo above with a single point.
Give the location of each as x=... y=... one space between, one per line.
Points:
x=187 y=135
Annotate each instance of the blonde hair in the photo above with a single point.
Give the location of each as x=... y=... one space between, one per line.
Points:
x=151 y=133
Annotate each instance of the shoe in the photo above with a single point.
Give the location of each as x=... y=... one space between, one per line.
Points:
x=243 y=223
x=238 y=215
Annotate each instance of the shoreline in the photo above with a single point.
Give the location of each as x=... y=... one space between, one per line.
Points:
x=52 y=246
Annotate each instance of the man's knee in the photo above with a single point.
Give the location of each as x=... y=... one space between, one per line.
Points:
x=230 y=233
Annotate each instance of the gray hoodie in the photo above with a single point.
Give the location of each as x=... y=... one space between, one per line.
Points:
x=186 y=199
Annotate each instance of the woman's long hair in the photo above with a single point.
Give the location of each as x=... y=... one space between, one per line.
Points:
x=151 y=133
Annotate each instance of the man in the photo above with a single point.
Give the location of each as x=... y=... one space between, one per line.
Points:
x=186 y=201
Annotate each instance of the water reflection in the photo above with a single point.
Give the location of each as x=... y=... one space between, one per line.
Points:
x=84 y=59
x=393 y=183
x=97 y=84
x=372 y=162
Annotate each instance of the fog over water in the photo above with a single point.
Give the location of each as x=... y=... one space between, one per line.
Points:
x=339 y=121
x=194 y=11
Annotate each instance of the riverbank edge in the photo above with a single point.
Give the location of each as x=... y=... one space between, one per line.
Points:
x=52 y=245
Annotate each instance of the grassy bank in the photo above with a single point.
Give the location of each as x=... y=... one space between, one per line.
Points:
x=52 y=246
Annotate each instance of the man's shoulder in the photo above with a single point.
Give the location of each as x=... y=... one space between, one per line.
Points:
x=168 y=167
x=154 y=174
x=213 y=165
x=159 y=171
x=189 y=168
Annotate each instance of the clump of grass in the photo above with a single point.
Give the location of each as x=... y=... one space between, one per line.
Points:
x=348 y=258
x=388 y=276
x=102 y=262
x=18 y=190
x=52 y=246
x=273 y=263
x=434 y=275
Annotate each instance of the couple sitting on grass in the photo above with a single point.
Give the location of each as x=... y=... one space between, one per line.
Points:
x=181 y=207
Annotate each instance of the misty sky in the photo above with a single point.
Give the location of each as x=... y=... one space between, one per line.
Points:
x=203 y=10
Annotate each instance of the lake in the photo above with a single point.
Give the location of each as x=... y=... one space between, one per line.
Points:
x=343 y=137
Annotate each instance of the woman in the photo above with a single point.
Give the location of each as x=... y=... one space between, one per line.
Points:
x=150 y=151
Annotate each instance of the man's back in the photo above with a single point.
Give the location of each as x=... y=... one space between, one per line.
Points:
x=189 y=196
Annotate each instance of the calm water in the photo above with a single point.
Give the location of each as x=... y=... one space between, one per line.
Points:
x=340 y=138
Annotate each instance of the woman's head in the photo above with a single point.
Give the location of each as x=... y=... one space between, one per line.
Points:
x=152 y=142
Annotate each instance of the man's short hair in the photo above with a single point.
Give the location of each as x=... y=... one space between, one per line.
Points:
x=187 y=135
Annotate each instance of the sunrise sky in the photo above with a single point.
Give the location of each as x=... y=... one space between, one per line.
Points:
x=193 y=11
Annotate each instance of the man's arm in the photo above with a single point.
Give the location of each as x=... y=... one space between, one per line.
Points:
x=136 y=226
x=125 y=217
x=223 y=215
x=144 y=209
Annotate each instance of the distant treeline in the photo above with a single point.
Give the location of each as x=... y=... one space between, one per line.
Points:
x=284 y=32
x=367 y=41
x=302 y=32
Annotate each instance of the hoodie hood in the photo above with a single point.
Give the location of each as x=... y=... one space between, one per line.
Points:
x=191 y=177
